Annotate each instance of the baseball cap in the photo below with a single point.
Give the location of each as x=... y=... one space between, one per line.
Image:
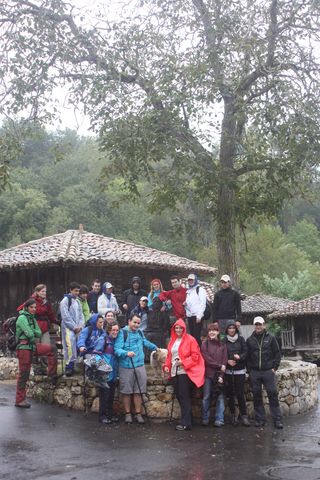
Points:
x=258 y=320
x=191 y=276
x=144 y=298
x=225 y=278
x=108 y=285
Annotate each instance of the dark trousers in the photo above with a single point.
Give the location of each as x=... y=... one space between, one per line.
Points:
x=182 y=389
x=235 y=389
x=25 y=359
x=195 y=328
x=268 y=379
x=106 y=397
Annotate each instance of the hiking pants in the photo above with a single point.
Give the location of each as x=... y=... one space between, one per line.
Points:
x=106 y=397
x=25 y=359
x=182 y=389
x=235 y=388
x=268 y=379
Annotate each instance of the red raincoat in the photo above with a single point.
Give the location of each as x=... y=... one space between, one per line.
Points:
x=189 y=354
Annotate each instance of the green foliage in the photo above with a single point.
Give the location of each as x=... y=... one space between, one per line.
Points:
x=306 y=237
x=275 y=328
x=302 y=285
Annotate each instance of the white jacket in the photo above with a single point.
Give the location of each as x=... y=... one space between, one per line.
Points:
x=196 y=301
x=104 y=304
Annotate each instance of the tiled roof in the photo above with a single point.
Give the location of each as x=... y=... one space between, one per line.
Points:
x=308 y=306
x=81 y=247
x=261 y=303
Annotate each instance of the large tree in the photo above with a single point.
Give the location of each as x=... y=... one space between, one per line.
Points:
x=225 y=91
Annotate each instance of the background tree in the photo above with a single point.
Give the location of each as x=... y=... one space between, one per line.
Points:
x=154 y=84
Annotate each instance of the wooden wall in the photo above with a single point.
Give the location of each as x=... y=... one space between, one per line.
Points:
x=17 y=286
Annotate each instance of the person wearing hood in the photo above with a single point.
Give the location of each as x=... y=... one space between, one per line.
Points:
x=92 y=337
x=236 y=373
x=106 y=395
x=132 y=296
x=72 y=322
x=107 y=300
x=27 y=332
x=195 y=306
x=215 y=357
x=226 y=304
x=185 y=365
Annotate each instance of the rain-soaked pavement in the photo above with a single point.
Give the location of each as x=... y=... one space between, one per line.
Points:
x=48 y=442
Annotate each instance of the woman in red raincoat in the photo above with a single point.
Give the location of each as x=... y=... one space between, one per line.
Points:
x=185 y=365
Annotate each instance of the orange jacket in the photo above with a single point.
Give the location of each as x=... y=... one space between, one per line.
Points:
x=189 y=354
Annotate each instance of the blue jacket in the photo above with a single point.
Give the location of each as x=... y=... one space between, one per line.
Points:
x=91 y=338
x=110 y=358
x=134 y=343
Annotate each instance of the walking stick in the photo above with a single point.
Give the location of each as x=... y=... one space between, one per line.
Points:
x=141 y=394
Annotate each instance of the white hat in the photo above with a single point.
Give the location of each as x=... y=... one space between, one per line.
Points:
x=191 y=276
x=144 y=298
x=225 y=278
x=108 y=285
x=258 y=320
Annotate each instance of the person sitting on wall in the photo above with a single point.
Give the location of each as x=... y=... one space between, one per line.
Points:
x=72 y=322
x=92 y=338
x=27 y=331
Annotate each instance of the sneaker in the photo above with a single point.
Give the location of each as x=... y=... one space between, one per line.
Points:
x=245 y=421
x=23 y=404
x=260 y=423
x=181 y=428
x=128 y=418
x=68 y=372
x=114 y=419
x=105 y=420
x=278 y=424
x=218 y=424
x=140 y=418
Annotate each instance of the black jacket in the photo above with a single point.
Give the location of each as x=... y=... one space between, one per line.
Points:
x=132 y=299
x=263 y=352
x=226 y=305
x=238 y=347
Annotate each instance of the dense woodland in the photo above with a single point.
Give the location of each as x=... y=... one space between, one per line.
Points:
x=58 y=182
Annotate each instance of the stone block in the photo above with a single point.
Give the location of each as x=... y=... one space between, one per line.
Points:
x=294 y=409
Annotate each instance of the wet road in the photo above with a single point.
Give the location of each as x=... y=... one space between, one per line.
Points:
x=47 y=442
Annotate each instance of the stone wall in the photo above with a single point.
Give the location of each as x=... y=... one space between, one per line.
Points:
x=297 y=383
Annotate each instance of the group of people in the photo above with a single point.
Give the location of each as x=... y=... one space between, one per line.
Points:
x=218 y=362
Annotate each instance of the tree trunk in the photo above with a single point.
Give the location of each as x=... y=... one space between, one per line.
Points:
x=226 y=221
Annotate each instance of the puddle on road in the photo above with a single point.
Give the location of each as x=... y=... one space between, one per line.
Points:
x=294 y=472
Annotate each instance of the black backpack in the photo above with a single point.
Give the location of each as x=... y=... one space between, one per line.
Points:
x=208 y=310
x=9 y=328
x=59 y=318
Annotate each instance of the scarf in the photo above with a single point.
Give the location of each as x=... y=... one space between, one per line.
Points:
x=233 y=339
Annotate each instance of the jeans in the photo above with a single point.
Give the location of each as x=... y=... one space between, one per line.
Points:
x=211 y=391
x=268 y=379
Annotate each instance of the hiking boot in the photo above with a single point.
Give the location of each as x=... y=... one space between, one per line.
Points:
x=105 y=420
x=181 y=428
x=278 y=424
x=260 y=423
x=23 y=404
x=218 y=424
x=204 y=423
x=128 y=418
x=245 y=421
x=140 y=418
x=69 y=372
x=234 y=421
x=114 y=419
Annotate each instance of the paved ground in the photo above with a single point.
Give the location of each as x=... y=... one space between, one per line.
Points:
x=50 y=443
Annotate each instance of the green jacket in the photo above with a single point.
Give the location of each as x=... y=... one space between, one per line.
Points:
x=85 y=309
x=27 y=330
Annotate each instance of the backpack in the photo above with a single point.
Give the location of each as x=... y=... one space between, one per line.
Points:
x=125 y=334
x=208 y=310
x=9 y=328
x=59 y=318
